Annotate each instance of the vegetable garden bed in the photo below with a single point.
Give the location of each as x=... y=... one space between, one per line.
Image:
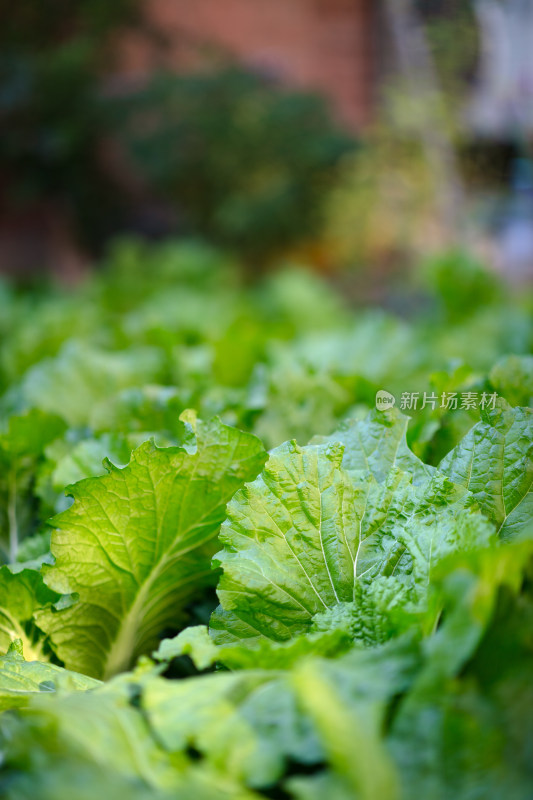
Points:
x=259 y=583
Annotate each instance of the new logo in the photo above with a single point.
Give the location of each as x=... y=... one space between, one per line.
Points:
x=384 y=400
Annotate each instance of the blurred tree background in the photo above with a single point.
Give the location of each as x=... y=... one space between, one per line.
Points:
x=53 y=113
x=244 y=164
x=232 y=154
x=225 y=154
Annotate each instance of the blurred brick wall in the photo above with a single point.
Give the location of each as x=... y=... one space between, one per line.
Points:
x=322 y=44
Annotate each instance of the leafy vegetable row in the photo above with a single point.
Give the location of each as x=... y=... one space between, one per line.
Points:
x=349 y=549
x=285 y=593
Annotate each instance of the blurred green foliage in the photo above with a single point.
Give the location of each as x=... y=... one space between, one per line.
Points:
x=461 y=283
x=229 y=155
x=163 y=328
x=244 y=163
x=52 y=112
x=39 y=27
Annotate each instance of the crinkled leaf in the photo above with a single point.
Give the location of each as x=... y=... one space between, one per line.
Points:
x=380 y=610
x=301 y=538
x=287 y=542
x=136 y=545
x=495 y=462
x=377 y=444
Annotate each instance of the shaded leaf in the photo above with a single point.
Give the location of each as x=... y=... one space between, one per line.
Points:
x=265 y=654
x=246 y=723
x=20 y=680
x=21 y=594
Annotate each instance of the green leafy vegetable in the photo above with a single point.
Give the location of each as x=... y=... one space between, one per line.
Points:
x=306 y=538
x=21 y=594
x=135 y=547
x=81 y=375
x=21 y=679
x=495 y=462
x=21 y=446
x=373 y=634
x=377 y=444
x=266 y=654
x=465 y=726
x=512 y=377
x=247 y=722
